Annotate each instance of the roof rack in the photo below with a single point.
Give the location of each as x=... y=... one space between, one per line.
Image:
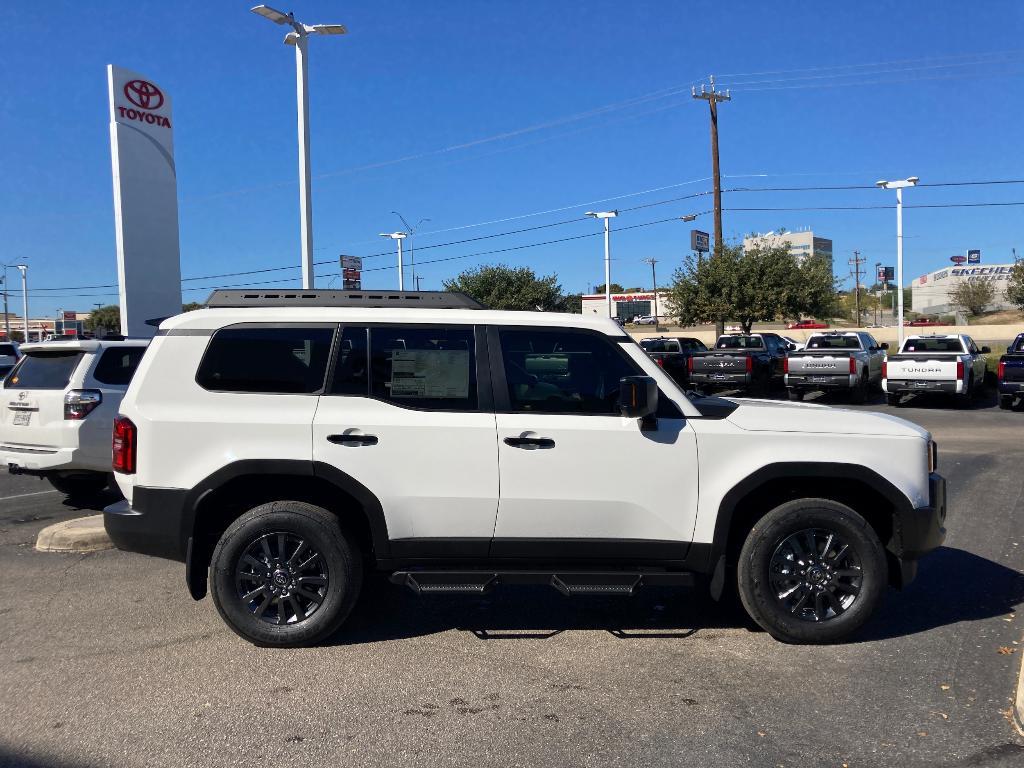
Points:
x=313 y=298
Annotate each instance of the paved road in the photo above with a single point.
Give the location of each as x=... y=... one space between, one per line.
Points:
x=107 y=661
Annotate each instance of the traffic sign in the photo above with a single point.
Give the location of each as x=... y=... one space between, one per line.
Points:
x=700 y=241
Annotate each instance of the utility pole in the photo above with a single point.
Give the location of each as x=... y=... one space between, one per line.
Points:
x=7 y=317
x=855 y=262
x=654 y=282
x=712 y=97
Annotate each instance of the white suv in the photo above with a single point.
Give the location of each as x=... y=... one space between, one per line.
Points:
x=61 y=399
x=280 y=443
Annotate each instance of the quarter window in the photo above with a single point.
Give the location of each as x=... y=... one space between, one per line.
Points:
x=117 y=365
x=563 y=371
x=278 y=359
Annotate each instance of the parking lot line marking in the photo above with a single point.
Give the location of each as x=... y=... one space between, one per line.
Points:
x=25 y=495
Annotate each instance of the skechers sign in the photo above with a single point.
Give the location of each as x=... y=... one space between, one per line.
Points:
x=145 y=97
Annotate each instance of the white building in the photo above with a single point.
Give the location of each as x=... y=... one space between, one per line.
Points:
x=801 y=244
x=930 y=293
x=627 y=305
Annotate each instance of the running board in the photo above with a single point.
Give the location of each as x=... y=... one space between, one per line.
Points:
x=569 y=583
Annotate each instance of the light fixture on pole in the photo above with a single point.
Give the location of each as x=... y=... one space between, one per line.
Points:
x=412 y=245
x=298 y=37
x=399 y=237
x=689 y=217
x=606 y=216
x=899 y=186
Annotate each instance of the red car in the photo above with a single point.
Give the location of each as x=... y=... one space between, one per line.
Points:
x=809 y=324
x=919 y=323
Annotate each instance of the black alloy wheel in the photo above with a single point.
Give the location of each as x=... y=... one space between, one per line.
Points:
x=815 y=574
x=281 y=579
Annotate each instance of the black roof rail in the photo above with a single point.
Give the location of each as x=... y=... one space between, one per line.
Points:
x=315 y=298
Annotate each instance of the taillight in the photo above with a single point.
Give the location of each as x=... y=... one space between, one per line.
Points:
x=689 y=365
x=1001 y=372
x=959 y=369
x=750 y=363
x=660 y=361
x=853 y=365
x=79 y=403
x=123 y=446
x=785 y=364
x=885 y=369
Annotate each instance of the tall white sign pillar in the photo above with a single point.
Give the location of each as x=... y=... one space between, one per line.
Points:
x=145 y=201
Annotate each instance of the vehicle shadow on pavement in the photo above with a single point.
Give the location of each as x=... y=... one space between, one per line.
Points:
x=951 y=586
x=389 y=612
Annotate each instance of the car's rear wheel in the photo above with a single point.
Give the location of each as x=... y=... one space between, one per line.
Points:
x=796 y=394
x=1006 y=402
x=811 y=571
x=80 y=485
x=859 y=393
x=284 y=574
x=892 y=398
x=963 y=400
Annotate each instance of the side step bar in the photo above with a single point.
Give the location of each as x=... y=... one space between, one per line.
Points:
x=568 y=583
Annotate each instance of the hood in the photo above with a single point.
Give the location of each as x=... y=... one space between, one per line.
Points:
x=773 y=416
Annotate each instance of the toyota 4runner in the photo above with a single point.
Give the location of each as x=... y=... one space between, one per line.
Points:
x=280 y=444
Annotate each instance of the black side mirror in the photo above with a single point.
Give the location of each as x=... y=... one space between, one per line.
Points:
x=638 y=396
x=985 y=350
x=884 y=345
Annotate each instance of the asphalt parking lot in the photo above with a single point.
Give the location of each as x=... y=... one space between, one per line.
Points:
x=107 y=661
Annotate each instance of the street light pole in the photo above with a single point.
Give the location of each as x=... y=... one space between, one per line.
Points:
x=899 y=186
x=399 y=237
x=412 y=245
x=299 y=38
x=654 y=282
x=606 y=216
x=24 y=295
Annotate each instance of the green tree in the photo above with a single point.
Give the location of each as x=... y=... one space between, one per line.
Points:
x=972 y=296
x=615 y=288
x=191 y=305
x=1015 y=287
x=502 y=287
x=107 y=318
x=574 y=303
x=759 y=284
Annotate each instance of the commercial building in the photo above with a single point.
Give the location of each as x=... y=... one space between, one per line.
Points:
x=627 y=305
x=801 y=244
x=930 y=293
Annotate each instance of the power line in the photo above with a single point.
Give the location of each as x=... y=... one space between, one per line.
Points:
x=951 y=57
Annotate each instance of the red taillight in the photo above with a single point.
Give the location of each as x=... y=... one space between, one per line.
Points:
x=959 y=369
x=123 y=446
x=750 y=363
x=1002 y=370
x=689 y=365
x=785 y=364
x=853 y=365
x=660 y=361
x=885 y=369
x=79 y=403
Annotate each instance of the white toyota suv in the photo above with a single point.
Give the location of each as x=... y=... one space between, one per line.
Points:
x=61 y=399
x=280 y=443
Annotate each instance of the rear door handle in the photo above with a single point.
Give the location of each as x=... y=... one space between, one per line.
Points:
x=352 y=439
x=530 y=442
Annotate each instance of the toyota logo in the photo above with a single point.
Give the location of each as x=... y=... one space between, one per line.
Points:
x=144 y=94
x=22 y=395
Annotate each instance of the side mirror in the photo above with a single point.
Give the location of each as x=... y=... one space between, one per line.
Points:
x=985 y=350
x=638 y=396
x=884 y=345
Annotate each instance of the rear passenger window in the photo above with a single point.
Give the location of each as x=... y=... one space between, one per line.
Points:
x=117 y=365
x=279 y=359
x=424 y=367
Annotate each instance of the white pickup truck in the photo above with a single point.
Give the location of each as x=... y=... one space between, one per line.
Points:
x=945 y=363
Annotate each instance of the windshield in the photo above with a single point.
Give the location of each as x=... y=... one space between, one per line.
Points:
x=740 y=342
x=833 y=342
x=933 y=345
x=43 y=370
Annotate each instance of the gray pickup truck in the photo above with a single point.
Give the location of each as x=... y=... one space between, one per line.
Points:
x=752 y=362
x=849 y=361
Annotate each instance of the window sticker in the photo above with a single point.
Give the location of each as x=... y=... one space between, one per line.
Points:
x=430 y=373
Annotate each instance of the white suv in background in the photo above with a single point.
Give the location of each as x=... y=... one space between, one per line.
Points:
x=60 y=403
x=277 y=443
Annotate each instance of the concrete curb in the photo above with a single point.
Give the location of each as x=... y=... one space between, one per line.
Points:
x=83 y=534
x=1018 y=704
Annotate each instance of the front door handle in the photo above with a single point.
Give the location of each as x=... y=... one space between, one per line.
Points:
x=352 y=439
x=530 y=442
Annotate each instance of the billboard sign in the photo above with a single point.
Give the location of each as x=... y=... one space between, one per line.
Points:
x=958 y=259
x=700 y=242
x=145 y=200
x=885 y=274
x=974 y=257
x=351 y=272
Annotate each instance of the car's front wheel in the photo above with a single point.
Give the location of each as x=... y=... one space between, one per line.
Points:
x=284 y=574
x=811 y=571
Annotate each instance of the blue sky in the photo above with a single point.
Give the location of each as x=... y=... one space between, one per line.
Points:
x=395 y=101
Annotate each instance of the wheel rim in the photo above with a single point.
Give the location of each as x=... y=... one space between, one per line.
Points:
x=281 y=578
x=815 y=575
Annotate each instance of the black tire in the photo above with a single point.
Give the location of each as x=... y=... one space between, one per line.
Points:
x=796 y=395
x=963 y=400
x=283 y=590
x=80 y=485
x=893 y=399
x=1006 y=402
x=859 y=393
x=841 y=591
